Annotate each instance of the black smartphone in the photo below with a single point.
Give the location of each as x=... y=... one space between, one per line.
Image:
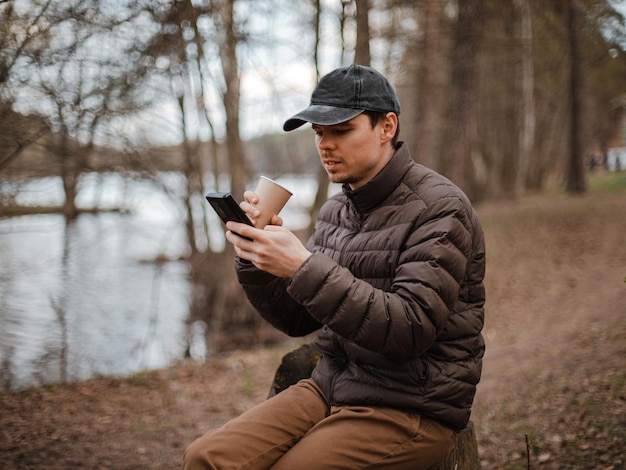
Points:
x=228 y=209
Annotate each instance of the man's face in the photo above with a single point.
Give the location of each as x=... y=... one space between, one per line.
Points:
x=353 y=152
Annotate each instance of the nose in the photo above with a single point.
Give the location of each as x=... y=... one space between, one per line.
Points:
x=325 y=142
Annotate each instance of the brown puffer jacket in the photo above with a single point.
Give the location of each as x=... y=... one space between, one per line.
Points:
x=396 y=284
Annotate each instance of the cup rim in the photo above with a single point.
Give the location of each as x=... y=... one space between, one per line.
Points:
x=277 y=184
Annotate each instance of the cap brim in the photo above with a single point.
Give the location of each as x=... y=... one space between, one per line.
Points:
x=321 y=115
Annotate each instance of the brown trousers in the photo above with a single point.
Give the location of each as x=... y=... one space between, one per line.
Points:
x=298 y=430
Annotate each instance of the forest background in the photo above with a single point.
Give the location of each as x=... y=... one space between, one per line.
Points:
x=504 y=98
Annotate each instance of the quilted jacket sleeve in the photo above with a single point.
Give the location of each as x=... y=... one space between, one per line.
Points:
x=268 y=295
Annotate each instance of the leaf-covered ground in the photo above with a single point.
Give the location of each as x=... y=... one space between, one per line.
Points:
x=553 y=392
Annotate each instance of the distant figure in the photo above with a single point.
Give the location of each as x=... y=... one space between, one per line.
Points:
x=392 y=278
x=616 y=158
x=197 y=348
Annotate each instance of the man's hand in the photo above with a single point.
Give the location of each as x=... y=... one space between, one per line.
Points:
x=248 y=205
x=275 y=249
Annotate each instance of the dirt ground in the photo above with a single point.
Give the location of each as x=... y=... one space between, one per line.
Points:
x=553 y=392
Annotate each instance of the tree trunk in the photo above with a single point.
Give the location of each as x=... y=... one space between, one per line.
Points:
x=464 y=456
x=69 y=176
x=318 y=35
x=426 y=106
x=362 y=50
x=575 y=179
x=228 y=55
x=464 y=73
x=322 y=177
x=527 y=131
x=190 y=173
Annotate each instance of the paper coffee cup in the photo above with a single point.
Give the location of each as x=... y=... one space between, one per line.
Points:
x=272 y=198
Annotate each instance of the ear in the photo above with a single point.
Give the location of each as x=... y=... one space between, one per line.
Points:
x=388 y=127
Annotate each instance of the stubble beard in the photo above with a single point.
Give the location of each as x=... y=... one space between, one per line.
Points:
x=339 y=179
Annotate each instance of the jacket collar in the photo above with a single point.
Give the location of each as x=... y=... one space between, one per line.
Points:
x=373 y=193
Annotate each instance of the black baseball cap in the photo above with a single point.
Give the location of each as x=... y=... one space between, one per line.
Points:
x=344 y=94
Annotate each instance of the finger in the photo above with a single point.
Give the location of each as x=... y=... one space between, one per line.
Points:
x=251 y=197
x=232 y=237
x=275 y=228
x=235 y=237
x=276 y=220
x=243 y=230
x=250 y=209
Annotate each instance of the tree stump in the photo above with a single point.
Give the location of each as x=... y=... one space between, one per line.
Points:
x=299 y=364
x=464 y=456
x=295 y=365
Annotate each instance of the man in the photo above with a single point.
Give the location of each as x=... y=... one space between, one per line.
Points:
x=393 y=278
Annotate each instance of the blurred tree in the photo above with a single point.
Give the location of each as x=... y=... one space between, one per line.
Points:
x=579 y=68
x=323 y=182
x=362 y=49
x=316 y=27
x=228 y=40
x=346 y=15
x=191 y=37
x=575 y=178
x=527 y=105
x=498 y=101
x=74 y=65
x=17 y=132
x=427 y=75
x=462 y=104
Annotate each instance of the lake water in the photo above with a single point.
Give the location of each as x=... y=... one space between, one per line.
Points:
x=84 y=299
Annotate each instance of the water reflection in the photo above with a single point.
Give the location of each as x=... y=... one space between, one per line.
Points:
x=84 y=299
x=98 y=311
x=78 y=300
